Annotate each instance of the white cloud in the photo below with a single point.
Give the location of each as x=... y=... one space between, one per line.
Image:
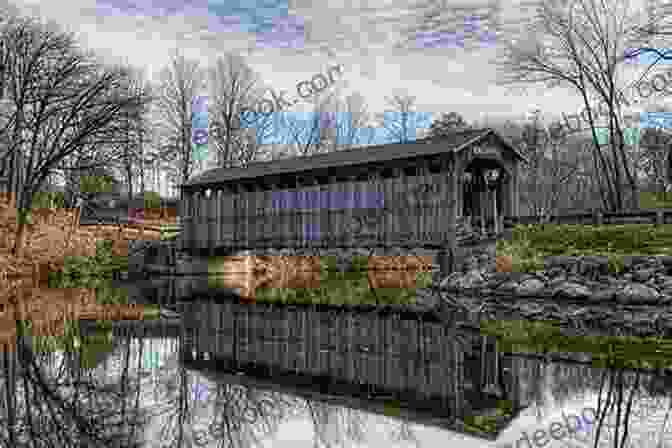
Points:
x=369 y=37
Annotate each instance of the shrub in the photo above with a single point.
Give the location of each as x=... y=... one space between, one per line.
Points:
x=43 y=199
x=152 y=200
x=530 y=244
x=648 y=199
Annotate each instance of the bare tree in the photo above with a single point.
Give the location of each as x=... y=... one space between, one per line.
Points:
x=180 y=83
x=550 y=170
x=345 y=127
x=305 y=132
x=581 y=44
x=400 y=121
x=232 y=92
x=64 y=102
x=447 y=124
x=138 y=134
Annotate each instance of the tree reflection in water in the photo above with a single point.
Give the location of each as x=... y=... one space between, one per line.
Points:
x=46 y=404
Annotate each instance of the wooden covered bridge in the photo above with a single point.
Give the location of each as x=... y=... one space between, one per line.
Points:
x=410 y=195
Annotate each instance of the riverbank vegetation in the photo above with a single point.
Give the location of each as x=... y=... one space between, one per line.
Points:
x=317 y=280
x=531 y=244
x=522 y=336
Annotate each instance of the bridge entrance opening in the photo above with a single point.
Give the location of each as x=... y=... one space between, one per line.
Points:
x=485 y=183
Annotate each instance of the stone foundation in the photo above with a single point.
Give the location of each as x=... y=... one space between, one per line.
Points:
x=644 y=280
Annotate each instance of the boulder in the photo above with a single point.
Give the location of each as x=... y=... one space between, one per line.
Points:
x=560 y=261
x=530 y=287
x=637 y=294
x=571 y=290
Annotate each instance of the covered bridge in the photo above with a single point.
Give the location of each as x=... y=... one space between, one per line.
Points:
x=400 y=194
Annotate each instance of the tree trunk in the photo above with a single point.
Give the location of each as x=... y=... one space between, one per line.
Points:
x=17 y=250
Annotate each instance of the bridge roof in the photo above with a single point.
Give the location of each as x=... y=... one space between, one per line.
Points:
x=378 y=153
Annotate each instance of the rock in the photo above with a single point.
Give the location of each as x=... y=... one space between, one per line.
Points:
x=665 y=282
x=571 y=290
x=604 y=295
x=637 y=294
x=451 y=280
x=507 y=286
x=630 y=261
x=560 y=261
x=530 y=287
x=593 y=266
x=470 y=280
x=554 y=272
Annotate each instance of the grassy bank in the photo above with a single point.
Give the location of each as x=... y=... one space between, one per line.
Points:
x=305 y=280
x=531 y=244
x=520 y=336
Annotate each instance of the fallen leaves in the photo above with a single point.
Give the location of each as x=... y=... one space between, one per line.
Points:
x=53 y=235
x=504 y=263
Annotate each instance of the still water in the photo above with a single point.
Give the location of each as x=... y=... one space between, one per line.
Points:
x=221 y=370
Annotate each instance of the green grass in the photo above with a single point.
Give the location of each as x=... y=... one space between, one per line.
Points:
x=531 y=244
x=336 y=288
x=487 y=423
x=521 y=336
x=648 y=200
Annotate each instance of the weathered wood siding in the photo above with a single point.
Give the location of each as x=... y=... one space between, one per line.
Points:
x=386 y=351
x=413 y=209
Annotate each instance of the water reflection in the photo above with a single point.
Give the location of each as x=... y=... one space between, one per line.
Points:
x=244 y=375
x=314 y=279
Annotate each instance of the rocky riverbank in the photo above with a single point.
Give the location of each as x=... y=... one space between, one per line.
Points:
x=581 y=293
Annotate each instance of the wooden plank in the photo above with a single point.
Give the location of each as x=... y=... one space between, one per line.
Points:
x=332 y=216
x=236 y=214
x=388 y=204
x=266 y=223
x=212 y=220
x=247 y=213
x=274 y=212
x=312 y=193
x=303 y=209
x=226 y=224
x=193 y=242
x=422 y=200
x=218 y=217
x=202 y=234
x=226 y=335
x=437 y=181
x=399 y=215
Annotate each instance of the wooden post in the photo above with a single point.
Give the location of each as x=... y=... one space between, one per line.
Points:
x=448 y=250
x=397 y=190
x=286 y=213
x=598 y=218
x=251 y=215
x=350 y=223
x=314 y=226
x=388 y=203
x=218 y=216
x=298 y=217
x=332 y=205
x=275 y=226
x=212 y=220
x=264 y=212
x=660 y=218
x=374 y=192
x=424 y=196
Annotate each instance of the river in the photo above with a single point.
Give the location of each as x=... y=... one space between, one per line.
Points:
x=227 y=366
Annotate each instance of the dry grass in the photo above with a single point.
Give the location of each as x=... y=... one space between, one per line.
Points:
x=55 y=235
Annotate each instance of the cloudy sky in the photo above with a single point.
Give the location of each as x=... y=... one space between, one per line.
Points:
x=374 y=40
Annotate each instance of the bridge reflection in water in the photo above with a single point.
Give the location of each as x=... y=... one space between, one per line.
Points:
x=436 y=374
